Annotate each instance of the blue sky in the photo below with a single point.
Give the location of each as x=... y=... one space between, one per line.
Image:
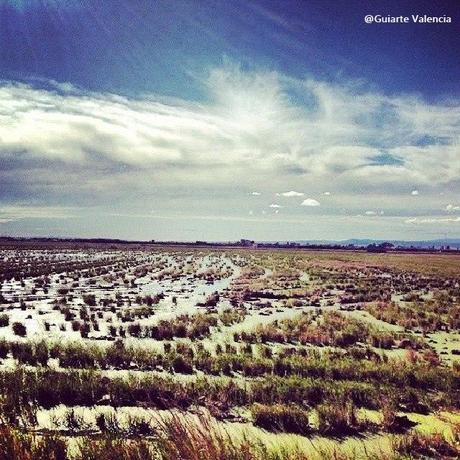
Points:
x=220 y=120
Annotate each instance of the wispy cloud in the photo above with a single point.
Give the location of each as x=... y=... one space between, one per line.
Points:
x=432 y=220
x=374 y=213
x=249 y=136
x=452 y=208
x=249 y=120
x=13 y=213
x=290 y=194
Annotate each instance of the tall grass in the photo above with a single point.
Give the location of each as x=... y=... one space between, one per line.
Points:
x=176 y=436
x=279 y=417
x=15 y=445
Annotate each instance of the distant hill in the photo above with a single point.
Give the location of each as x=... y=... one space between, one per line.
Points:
x=446 y=243
x=453 y=243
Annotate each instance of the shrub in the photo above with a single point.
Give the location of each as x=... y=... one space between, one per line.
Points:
x=134 y=329
x=139 y=426
x=19 y=329
x=85 y=329
x=4 y=320
x=279 y=417
x=41 y=353
x=108 y=423
x=181 y=365
x=23 y=352
x=90 y=300
x=337 y=418
x=4 y=348
x=74 y=422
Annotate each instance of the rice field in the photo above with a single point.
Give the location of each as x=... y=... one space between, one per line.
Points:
x=187 y=353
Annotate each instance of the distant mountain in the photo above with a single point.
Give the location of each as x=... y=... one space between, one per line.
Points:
x=453 y=243
x=445 y=243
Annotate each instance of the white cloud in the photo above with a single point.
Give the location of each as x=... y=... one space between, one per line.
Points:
x=291 y=193
x=13 y=213
x=432 y=220
x=374 y=213
x=451 y=208
x=248 y=120
x=248 y=133
x=310 y=202
x=274 y=205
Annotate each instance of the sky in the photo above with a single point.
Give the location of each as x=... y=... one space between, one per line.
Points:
x=221 y=120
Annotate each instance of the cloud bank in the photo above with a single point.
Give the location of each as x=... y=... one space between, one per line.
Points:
x=263 y=119
x=253 y=130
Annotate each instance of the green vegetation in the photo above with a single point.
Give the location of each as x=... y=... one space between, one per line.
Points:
x=337 y=348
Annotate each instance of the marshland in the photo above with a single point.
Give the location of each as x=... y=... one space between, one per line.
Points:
x=223 y=353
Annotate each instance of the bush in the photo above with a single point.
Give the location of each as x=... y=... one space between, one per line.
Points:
x=23 y=352
x=4 y=320
x=181 y=365
x=389 y=413
x=337 y=418
x=85 y=329
x=90 y=300
x=74 y=422
x=108 y=423
x=139 y=426
x=4 y=348
x=19 y=329
x=134 y=330
x=279 y=417
x=41 y=353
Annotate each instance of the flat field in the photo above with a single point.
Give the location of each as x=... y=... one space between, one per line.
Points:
x=177 y=353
